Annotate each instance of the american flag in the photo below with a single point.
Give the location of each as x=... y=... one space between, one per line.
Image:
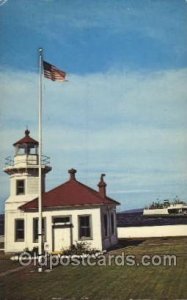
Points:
x=53 y=73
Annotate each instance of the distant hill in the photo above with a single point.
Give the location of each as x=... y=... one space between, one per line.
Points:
x=131 y=211
x=135 y=218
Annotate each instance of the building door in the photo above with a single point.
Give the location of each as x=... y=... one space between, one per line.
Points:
x=62 y=238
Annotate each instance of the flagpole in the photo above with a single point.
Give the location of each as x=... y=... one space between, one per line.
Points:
x=40 y=238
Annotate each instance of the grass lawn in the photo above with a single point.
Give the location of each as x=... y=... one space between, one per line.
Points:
x=107 y=282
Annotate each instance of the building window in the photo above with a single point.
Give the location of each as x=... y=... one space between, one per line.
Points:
x=84 y=227
x=20 y=187
x=106 y=225
x=19 y=230
x=112 y=223
x=35 y=229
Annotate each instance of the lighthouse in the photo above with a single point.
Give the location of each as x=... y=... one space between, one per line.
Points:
x=23 y=171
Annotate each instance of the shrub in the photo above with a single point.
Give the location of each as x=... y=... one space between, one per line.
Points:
x=31 y=252
x=80 y=248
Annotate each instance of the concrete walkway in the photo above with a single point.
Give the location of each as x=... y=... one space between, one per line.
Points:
x=12 y=271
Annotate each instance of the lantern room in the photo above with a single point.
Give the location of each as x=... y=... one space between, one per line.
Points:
x=26 y=146
x=26 y=157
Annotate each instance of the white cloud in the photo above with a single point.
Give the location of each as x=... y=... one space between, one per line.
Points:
x=131 y=125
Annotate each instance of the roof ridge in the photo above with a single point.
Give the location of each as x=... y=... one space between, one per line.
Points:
x=66 y=188
x=56 y=187
x=96 y=193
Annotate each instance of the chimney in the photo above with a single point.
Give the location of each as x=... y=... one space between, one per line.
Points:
x=102 y=186
x=72 y=174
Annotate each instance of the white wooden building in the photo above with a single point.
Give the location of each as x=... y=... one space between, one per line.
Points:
x=72 y=212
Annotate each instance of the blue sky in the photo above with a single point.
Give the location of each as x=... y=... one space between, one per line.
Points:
x=123 y=111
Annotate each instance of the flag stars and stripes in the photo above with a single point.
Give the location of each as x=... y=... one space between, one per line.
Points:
x=53 y=73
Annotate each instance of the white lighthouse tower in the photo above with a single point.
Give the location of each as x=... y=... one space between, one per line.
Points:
x=23 y=172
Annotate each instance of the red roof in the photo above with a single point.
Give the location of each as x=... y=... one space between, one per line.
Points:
x=71 y=193
x=26 y=139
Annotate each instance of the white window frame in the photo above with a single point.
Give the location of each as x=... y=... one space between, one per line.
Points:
x=83 y=238
x=20 y=180
x=23 y=230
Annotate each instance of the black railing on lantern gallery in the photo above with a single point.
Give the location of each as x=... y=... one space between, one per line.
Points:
x=10 y=162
